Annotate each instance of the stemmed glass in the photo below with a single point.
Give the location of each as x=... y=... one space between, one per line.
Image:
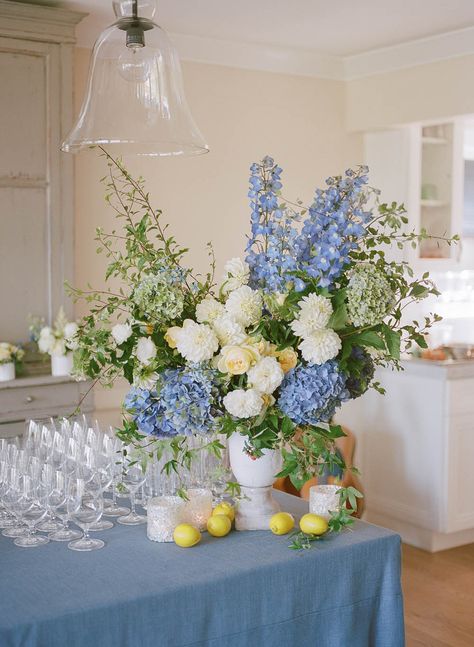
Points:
x=112 y=452
x=30 y=508
x=57 y=500
x=10 y=492
x=132 y=480
x=85 y=508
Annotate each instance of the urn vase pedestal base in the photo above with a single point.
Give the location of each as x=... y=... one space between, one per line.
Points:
x=256 y=508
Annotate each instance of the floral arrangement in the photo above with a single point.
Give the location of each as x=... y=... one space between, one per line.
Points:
x=10 y=353
x=59 y=339
x=271 y=352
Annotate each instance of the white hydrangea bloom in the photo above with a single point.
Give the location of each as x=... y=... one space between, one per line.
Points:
x=236 y=274
x=228 y=331
x=121 y=332
x=315 y=312
x=196 y=342
x=208 y=310
x=46 y=340
x=320 y=346
x=145 y=351
x=245 y=305
x=243 y=404
x=266 y=375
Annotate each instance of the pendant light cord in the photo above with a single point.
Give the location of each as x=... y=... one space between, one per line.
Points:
x=135 y=8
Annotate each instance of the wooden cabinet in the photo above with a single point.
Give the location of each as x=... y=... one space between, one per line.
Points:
x=36 y=182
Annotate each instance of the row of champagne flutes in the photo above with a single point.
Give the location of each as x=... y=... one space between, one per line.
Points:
x=65 y=471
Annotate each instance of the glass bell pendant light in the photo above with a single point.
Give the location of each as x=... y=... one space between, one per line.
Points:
x=135 y=99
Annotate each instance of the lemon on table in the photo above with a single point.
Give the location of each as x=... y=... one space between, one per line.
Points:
x=225 y=508
x=219 y=525
x=313 y=524
x=186 y=535
x=281 y=523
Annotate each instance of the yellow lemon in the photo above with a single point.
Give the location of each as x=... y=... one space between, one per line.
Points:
x=313 y=524
x=225 y=508
x=281 y=523
x=219 y=525
x=186 y=535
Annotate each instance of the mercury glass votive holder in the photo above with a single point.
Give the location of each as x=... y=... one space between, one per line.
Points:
x=198 y=507
x=164 y=513
x=324 y=499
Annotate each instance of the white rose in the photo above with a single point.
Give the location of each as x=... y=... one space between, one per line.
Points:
x=145 y=351
x=320 y=346
x=245 y=305
x=236 y=274
x=121 y=332
x=266 y=375
x=243 y=404
x=228 y=331
x=46 y=340
x=196 y=342
x=208 y=310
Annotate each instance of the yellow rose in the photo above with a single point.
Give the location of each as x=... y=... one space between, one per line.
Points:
x=287 y=359
x=235 y=360
x=262 y=346
x=171 y=336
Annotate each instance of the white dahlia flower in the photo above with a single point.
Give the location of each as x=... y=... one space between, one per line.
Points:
x=243 y=404
x=196 y=342
x=315 y=312
x=320 y=346
x=228 y=331
x=145 y=351
x=236 y=274
x=121 y=332
x=266 y=375
x=245 y=305
x=209 y=310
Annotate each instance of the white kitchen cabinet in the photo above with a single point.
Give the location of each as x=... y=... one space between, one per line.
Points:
x=422 y=166
x=416 y=449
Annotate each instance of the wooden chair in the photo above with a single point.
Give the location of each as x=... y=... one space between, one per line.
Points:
x=346 y=446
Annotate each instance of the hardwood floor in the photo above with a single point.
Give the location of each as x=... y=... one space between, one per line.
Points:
x=438 y=591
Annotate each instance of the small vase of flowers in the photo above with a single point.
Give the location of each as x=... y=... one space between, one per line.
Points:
x=58 y=342
x=10 y=356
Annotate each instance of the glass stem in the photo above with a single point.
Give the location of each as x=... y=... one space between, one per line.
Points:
x=86 y=533
x=132 y=503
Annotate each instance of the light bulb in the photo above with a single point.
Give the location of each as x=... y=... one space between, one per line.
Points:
x=134 y=64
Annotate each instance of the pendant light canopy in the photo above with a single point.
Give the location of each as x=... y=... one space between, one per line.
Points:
x=135 y=99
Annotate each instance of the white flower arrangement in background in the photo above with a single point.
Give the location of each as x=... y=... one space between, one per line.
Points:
x=9 y=353
x=59 y=339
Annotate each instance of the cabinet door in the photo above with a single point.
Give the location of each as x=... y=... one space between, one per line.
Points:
x=34 y=234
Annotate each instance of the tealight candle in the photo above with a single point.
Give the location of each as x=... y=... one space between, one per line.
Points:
x=199 y=507
x=323 y=499
x=164 y=513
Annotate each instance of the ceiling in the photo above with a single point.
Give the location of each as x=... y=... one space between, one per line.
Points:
x=337 y=30
x=341 y=28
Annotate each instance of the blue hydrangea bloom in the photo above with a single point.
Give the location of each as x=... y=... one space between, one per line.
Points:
x=311 y=394
x=185 y=402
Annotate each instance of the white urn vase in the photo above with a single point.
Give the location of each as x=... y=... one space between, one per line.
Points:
x=7 y=372
x=255 y=477
x=61 y=364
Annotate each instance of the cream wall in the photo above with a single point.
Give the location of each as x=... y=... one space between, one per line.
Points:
x=244 y=116
x=424 y=92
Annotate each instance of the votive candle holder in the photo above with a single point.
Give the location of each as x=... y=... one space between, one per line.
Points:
x=164 y=513
x=324 y=499
x=198 y=507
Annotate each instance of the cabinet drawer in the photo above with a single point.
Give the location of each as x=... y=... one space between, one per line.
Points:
x=17 y=402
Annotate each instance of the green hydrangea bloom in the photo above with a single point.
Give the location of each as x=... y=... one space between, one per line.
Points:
x=159 y=297
x=369 y=296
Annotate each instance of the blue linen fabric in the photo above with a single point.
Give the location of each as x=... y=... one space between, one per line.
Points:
x=245 y=590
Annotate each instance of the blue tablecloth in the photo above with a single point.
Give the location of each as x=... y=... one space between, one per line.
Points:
x=246 y=590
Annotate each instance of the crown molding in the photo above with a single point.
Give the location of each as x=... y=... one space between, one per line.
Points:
x=304 y=62
x=39 y=22
x=417 y=52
